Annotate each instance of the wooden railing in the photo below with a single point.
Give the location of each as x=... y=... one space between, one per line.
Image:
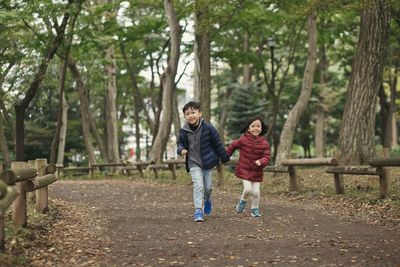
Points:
x=377 y=167
x=15 y=183
x=141 y=166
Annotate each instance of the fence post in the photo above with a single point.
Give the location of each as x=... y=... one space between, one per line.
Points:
x=292 y=178
x=42 y=194
x=19 y=209
x=172 y=167
x=31 y=196
x=384 y=177
x=339 y=188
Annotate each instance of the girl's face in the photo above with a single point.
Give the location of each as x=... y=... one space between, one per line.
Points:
x=193 y=116
x=255 y=128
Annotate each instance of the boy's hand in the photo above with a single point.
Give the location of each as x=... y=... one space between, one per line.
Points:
x=183 y=152
x=258 y=163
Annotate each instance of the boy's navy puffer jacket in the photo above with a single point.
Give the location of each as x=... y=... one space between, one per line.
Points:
x=211 y=147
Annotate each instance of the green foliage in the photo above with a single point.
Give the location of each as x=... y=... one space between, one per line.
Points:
x=244 y=103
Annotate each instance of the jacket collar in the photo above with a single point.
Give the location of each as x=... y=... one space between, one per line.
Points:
x=186 y=126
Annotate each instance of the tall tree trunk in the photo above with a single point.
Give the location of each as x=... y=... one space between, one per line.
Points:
x=319 y=111
x=386 y=118
x=3 y=145
x=168 y=84
x=393 y=109
x=84 y=109
x=63 y=68
x=202 y=75
x=319 y=131
x=56 y=138
x=137 y=99
x=20 y=107
x=177 y=121
x=63 y=131
x=357 y=132
x=5 y=119
x=111 y=108
x=246 y=67
x=95 y=131
x=289 y=128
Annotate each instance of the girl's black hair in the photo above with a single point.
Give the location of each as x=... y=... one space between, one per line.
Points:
x=264 y=128
x=192 y=105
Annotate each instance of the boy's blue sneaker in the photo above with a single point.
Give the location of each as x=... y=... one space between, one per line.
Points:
x=207 y=206
x=240 y=206
x=198 y=215
x=255 y=212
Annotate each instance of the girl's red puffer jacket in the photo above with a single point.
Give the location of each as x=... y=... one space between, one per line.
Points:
x=251 y=148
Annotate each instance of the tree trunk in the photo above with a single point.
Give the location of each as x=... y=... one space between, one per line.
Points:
x=319 y=111
x=3 y=145
x=319 y=131
x=63 y=68
x=393 y=109
x=84 y=108
x=177 y=121
x=246 y=67
x=137 y=99
x=56 y=138
x=111 y=109
x=202 y=76
x=63 y=131
x=357 y=132
x=289 y=128
x=168 y=84
x=21 y=106
x=386 y=119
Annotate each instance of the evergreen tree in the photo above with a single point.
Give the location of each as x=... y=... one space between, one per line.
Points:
x=245 y=102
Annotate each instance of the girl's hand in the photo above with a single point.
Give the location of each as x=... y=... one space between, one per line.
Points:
x=258 y=163
x=183 y=152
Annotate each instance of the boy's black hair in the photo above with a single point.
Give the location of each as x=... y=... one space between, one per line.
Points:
x=192 y=105
x=264 y=128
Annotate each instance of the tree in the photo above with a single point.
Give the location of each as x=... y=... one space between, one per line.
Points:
x=289 y=128
x=245 y=102
x=202 y=68
x=20 y=107
x=168 y=84
x=357 y=132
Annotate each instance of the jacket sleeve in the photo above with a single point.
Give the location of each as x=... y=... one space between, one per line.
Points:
x=266 y=155
x=233 y=146
x=218 y=145
x=180 y=143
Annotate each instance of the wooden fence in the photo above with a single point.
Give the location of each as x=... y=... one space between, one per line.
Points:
x=377 y=167
x=15 y=183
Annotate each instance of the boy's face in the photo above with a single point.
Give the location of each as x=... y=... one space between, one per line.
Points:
x=193 y=116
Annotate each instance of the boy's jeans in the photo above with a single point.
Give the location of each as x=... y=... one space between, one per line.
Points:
x=202 y=182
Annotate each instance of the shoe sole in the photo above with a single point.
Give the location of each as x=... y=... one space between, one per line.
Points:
x=199 y=220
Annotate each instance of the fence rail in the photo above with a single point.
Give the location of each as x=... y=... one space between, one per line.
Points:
x=14 y=185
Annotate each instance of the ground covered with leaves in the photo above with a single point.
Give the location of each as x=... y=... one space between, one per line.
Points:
x=143 y=222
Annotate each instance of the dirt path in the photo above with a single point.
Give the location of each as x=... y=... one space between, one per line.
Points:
x=138 y=223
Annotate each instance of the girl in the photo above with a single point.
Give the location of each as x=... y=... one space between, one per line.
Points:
x=254 y=155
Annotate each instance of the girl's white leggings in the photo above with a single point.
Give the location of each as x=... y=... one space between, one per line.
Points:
x=251 y=190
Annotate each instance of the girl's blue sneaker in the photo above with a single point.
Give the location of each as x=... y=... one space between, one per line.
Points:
x=255 y=212
x=240 y=206
x=198 y=215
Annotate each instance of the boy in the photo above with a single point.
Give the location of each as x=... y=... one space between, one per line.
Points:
x=202 y=145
